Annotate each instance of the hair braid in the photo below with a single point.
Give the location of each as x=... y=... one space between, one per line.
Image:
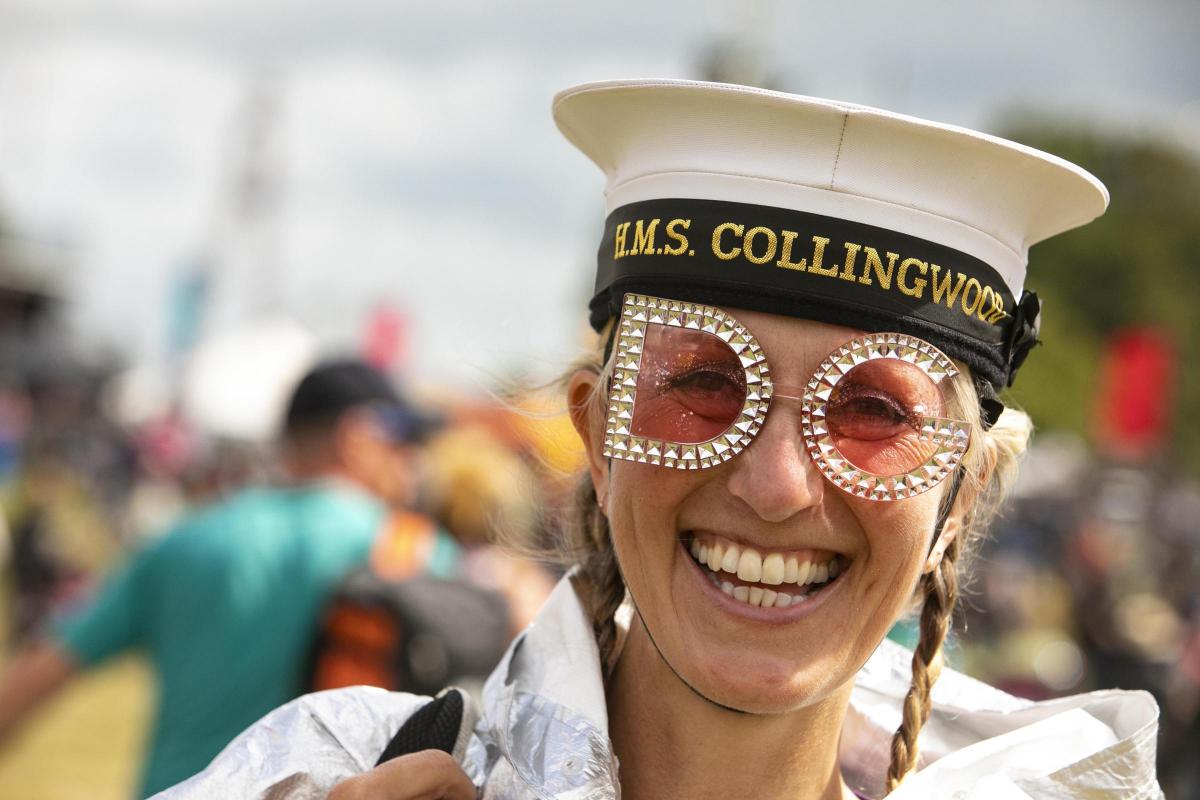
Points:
x=941 y=593
x=598 y=573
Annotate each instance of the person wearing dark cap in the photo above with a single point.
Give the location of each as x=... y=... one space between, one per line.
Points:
x=806 y=311
x=226 y=604
x=345 y=418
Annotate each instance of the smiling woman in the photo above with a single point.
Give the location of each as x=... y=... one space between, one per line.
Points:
x=738 y=570
x=784 y=458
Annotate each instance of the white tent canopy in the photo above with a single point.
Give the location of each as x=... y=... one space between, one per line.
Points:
x=236 y=384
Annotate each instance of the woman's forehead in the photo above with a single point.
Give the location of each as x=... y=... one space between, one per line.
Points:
x=794 y=346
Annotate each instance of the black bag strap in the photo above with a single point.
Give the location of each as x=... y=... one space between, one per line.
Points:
x=438 y=725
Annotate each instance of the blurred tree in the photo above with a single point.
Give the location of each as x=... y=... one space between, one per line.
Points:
x=1139 y=264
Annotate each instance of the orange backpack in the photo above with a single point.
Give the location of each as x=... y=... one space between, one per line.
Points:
x=389 y=624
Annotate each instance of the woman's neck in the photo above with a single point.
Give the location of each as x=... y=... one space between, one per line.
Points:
x=672 y=743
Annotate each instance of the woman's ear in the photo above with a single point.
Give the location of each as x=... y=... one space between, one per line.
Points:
x=965 y=498
x=587 y=417
x=950 y=531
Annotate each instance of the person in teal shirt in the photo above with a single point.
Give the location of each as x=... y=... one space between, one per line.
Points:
x=227 y=603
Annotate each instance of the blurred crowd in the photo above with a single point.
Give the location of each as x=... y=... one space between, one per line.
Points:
x=355 y=475
x=81 y=491
x=1090 y=580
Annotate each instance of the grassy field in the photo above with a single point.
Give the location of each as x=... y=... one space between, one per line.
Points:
x=86 y=743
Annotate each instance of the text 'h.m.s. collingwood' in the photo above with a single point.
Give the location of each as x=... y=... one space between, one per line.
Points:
x=785 y=249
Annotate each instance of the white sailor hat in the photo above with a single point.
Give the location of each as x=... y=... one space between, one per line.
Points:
x=824 y=210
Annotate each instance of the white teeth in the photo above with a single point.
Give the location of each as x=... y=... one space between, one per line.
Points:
x=715 y=555
x=791 y=570
x=730 y=561
x=750 y=565
x=772 y=569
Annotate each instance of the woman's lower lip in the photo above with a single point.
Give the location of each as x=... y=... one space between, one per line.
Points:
x=777 y=616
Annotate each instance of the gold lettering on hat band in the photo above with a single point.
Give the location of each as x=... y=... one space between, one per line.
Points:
x=759 y=245
x=673 y=232
x=811 y=266
x=917 y=286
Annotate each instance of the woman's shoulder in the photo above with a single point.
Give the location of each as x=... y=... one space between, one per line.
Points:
x=305 y=747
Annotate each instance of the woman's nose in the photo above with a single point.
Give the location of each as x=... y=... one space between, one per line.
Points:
x=775 y=475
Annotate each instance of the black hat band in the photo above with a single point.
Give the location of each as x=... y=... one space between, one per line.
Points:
x=811 y=266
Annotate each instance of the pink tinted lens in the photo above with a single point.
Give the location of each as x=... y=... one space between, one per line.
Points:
x=876 y=414
x=690 y=388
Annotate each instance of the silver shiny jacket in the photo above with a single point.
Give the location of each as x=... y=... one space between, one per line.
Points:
x=543 y=728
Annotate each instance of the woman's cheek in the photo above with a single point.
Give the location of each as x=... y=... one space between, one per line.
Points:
x=899 y=535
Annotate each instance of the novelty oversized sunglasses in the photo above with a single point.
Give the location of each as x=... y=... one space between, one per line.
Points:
x=691 y=388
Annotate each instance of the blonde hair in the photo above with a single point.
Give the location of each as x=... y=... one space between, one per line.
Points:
x=986 y=474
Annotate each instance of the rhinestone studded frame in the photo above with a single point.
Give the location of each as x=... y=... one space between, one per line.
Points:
x=639 y=311
x=949 y=436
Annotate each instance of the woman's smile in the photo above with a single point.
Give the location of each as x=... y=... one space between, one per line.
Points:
x=764 y=578
x=759 y=602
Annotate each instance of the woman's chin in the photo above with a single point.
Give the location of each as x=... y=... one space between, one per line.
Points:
x=759 y=685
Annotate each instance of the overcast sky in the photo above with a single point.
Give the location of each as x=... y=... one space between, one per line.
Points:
x=414 y=151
